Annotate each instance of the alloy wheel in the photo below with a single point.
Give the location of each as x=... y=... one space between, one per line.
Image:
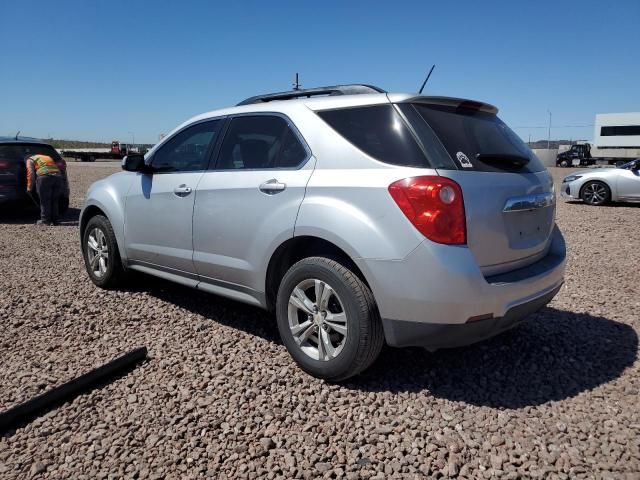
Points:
x=97 y=252
x=317 y=319
x=595 y=193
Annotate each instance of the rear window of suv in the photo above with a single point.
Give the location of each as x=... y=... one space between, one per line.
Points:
x=478 y=140
x=17 y=151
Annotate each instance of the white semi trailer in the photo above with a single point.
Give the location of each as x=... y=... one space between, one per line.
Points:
x=616 y=140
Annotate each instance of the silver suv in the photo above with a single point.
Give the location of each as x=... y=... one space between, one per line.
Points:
x=358 y=216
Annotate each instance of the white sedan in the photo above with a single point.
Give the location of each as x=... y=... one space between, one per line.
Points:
x=599 y=186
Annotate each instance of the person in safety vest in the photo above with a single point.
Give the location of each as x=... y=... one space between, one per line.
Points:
x=47 y=176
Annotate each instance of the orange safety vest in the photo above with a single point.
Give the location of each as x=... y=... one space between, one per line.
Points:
x=42 y=165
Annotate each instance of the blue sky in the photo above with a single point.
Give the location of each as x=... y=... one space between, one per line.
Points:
x=99 y=70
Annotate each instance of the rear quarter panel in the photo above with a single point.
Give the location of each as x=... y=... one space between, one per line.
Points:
x=353 y=209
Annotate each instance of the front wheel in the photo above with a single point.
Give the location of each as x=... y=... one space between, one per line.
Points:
x=596 y=193
x=564 y=163
x=100 y=252
x=328 y=319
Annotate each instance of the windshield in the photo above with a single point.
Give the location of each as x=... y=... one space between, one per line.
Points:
x=629 y=165
x=479 y=140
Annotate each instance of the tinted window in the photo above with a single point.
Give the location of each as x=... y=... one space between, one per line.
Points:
x=378 y=131
x=623 y=130
x=468 y=134
x=187 y=151
x=260 y=142
x=21 y=152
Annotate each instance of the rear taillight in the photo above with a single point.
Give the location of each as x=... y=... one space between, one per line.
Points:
x=434 y=206
x=4 y=164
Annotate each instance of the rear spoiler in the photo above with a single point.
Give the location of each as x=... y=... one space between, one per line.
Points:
x=453 y=102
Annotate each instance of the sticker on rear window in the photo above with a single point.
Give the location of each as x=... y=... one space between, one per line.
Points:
x=464 y=160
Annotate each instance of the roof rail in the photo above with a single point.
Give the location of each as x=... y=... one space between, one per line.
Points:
x=354 y=89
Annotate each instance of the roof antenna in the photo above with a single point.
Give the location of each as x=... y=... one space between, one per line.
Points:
x=296 y=83
x=18 y=133
x=426 y=79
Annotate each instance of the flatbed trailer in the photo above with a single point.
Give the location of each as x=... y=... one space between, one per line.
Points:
x=583 y=155
x=117 y=152
x=90 y=155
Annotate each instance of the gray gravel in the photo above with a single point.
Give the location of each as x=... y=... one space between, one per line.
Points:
x=555 y=398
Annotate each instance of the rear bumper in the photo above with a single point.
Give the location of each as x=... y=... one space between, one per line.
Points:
x=436 y=336
x=12 y=194
x=437 y=289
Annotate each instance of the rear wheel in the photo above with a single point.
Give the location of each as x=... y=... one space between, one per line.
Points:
x=328 y=319
x=596 y=193
x=100 y=252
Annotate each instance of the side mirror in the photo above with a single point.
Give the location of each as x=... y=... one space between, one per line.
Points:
x=134 y=163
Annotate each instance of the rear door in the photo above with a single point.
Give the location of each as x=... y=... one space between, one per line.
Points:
x=159 y=205
x=247 y=204
x=508 y=194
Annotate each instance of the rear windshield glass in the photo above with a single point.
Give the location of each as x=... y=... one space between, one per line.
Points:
x=478 y=140
x=21 y=152
x=379 y=131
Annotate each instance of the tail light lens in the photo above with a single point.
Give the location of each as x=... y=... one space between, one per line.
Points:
x=434 y=205
x=4 y=164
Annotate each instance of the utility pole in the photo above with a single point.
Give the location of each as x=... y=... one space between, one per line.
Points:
x=549 y=132
x=133 y=138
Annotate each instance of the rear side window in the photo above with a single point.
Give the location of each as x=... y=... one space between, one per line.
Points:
x=260 y=142
x=478 y=140
x=378 y=131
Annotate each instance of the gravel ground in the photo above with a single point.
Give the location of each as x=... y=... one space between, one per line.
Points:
x=220 y=396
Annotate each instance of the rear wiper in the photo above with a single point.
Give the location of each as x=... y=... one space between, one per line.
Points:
x=515 y=160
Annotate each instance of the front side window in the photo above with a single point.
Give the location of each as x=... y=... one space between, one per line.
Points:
x=260 y=142
x=188 y=150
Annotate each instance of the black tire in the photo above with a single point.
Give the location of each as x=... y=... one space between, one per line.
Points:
x=364 y=338
x=564 y=163
x=595 y=193
x=114 y=274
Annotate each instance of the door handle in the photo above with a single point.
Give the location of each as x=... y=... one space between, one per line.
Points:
x=272 y=186
x=182 y=190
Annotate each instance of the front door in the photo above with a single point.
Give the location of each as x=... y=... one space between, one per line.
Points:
x=247 y=205
x=629 y=183
x=159 y=205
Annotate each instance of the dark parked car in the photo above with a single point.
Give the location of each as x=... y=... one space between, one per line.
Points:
x=13 y=177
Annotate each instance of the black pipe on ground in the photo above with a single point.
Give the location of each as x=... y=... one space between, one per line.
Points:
x=27 y=411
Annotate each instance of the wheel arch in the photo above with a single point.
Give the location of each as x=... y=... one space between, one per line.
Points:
x=94 y=208
x=295 y=249
x=87 y=213
x=597 y=180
